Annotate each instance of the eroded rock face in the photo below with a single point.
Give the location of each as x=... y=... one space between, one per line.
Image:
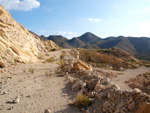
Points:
x=16 y=43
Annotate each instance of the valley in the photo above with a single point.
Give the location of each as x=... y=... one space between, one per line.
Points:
x=86 y=74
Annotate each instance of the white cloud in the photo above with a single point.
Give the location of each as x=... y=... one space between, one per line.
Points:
x=24 y=5
x=144 y=29
x=140 y=11
x=115 y=6
x=94 y=19
x=146 y=10
x=68 y=34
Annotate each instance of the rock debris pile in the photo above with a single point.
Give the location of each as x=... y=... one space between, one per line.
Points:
x=106 y=97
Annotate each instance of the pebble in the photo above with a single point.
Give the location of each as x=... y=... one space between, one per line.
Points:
x=47 y=111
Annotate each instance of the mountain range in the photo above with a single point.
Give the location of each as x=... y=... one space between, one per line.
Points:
x=137 y=46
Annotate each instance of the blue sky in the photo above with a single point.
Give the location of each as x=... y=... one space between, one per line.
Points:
x=72 y=18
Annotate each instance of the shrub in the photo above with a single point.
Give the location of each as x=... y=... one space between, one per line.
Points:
x=2 y=65
x=62 y=56
x=147 y=65
x=51 y=59
x=111 y=60
x=53 y=49
x=31 y=70
x=49 y=73
x=82 y=101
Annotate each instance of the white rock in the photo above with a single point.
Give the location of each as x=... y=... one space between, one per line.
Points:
x=17 y=99
x=105 y=80
x=47 y=111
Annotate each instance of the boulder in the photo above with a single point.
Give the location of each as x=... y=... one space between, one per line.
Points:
x=81 y=65
x=144 y=108
x=105 y=81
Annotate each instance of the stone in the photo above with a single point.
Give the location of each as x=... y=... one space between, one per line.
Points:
x=117 y=88
x=70 y=79
x=91 y=94
x=71 y=102
x=109 y=95
x=81 y=65
x=131 y=105
x=144 y=108
x=129 y=101
x=100 y=96
x=9 y=108
x=47 y=111
x=137 y=90
x=76 y=84
x=5 y=92
x=105 y=80
x=120 y=69
x=98 y=87
x=86 y=111
x=16 y=100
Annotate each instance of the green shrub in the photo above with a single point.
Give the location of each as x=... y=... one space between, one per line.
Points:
x=31 y=70
x=82 y=101
x=147 y=65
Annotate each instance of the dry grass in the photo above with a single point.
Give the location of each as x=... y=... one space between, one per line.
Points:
x=82 y=101
x=31 y=70
x=51 y=59
x=114 y=61
x=49 y=73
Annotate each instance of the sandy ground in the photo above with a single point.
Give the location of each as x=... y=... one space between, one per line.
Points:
x=37 y=91
x=128 y=74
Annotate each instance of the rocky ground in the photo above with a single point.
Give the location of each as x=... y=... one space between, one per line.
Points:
x=33 y=88
x=141 y=81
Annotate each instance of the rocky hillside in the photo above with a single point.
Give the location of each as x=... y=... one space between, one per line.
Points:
x=16 y=43
x=110 y=58
x=137 y=46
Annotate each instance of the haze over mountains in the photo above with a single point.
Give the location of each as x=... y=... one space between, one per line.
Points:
x=137 y=46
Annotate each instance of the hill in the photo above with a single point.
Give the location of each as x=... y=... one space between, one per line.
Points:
x=137 y=46
x=59 y=40
x=18 y=44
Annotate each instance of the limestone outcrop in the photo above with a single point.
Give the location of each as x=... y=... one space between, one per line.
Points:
x=16 y=43
x=50 y=45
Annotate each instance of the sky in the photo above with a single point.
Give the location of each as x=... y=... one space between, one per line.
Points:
x=72 y=18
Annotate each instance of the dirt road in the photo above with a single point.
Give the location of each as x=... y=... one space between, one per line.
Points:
x=37 y=89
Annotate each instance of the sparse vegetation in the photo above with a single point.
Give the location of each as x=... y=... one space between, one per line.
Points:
x=147 y=65
x=2 y=65
x=82 y=101
x=62 y=56
x=51 y=59
x=53 y=49
x=31 y=70
x=49 y=73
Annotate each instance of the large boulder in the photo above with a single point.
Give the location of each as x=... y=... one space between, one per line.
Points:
x=81 y=65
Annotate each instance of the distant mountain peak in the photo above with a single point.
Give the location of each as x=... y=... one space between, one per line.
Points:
x=88 y=37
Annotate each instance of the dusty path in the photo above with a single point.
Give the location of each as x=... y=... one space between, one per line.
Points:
x=37 y=91
x=126 y=75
